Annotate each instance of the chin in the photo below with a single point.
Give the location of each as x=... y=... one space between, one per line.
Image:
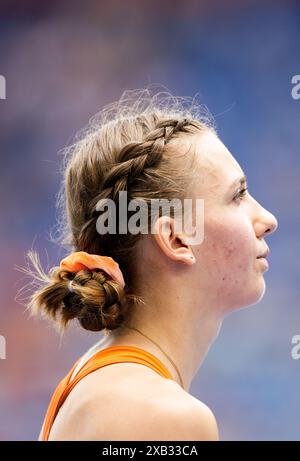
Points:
x=251 y=297
x=261 y=292
x=256 y=295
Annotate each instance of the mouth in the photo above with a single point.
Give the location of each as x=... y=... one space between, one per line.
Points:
x=263 y=258
x=264 y=262
x=264 y=254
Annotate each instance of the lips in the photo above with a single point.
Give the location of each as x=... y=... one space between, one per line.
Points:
x=264 y=255
x=264 y=262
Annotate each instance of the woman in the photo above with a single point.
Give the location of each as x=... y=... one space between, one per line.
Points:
x=159 y=299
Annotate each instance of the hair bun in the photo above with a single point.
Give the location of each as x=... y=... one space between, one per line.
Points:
x=95 y=300
x=91 y=296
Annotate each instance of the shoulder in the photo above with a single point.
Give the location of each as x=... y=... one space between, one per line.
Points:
x=203 y=424
x=183 y=417
x=162 y=414
x=141 y=406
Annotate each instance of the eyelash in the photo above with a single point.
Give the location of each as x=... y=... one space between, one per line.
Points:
x=241 y=194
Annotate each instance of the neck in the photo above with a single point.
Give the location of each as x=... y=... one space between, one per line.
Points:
x=183 y=330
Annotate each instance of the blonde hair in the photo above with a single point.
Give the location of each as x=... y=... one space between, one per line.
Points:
x=131 y=145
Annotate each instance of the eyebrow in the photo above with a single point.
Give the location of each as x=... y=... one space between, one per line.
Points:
x=240 y=181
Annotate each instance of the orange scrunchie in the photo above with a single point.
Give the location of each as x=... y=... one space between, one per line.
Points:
x=82 y=260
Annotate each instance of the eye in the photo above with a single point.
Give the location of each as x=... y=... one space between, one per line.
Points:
x=241 y=194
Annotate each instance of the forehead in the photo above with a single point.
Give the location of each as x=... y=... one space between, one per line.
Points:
x=217 y=168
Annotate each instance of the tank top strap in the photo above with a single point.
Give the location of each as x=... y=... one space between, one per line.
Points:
x=102 y=358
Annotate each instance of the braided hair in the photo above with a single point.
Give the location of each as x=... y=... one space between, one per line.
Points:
x=133 y=145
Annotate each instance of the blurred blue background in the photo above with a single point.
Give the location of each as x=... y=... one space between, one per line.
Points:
x=63 y=61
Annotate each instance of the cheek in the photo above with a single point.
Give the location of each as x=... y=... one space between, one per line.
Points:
x=228 y=250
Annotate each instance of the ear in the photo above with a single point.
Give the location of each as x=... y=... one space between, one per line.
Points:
x=172 y=244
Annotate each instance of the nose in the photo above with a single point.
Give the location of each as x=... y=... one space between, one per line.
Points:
x=265 y=223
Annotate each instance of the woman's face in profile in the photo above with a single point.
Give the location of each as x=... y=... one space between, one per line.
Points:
x=235 y=227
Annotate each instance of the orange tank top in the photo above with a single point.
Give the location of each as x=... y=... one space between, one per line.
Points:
x=107 y=356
